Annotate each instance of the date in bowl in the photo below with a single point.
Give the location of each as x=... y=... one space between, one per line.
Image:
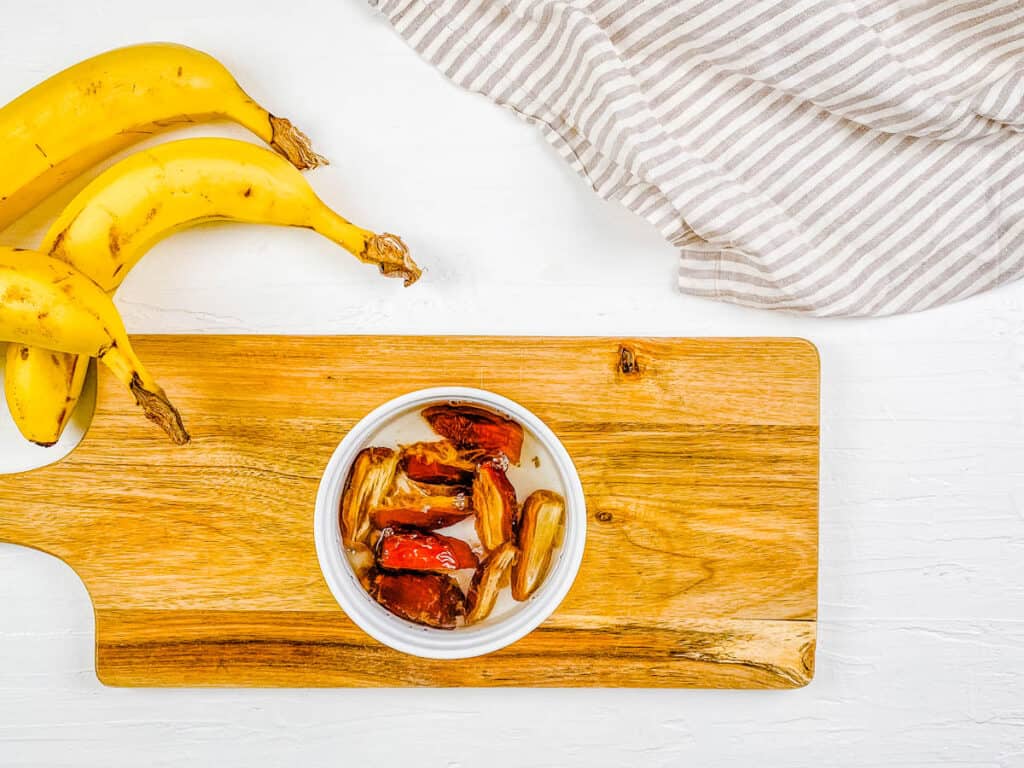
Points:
x=450 y=522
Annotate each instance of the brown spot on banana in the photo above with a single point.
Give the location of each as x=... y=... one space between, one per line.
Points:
x=57 y=249
x=114 y=242
x=14 y=295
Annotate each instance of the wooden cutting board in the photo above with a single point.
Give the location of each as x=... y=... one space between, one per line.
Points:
x=699 y=460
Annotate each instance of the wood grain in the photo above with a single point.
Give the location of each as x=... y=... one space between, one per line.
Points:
x=699 y=460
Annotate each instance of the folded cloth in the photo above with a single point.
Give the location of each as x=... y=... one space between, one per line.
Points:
x=834 y=158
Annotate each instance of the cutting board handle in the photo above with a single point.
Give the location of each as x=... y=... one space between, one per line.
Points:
x=35 y=511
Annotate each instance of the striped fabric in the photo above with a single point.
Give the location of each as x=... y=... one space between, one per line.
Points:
x=834 y=158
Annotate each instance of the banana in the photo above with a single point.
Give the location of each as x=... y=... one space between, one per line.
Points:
x=94 y=109
x=111 y=224
x=45 y=302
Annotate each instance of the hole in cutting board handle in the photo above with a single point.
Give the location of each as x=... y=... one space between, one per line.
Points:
x=19 y=455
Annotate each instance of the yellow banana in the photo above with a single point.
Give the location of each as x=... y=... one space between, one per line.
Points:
x=45 y=302
x=94 y=109
x=111 y=224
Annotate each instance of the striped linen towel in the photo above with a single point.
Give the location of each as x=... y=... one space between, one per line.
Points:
x=834 y=158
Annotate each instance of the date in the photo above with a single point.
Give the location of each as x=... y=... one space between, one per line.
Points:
x=369 y=480
x=476 y=429
x=488 y=581
x=418 y=551
x=431 y=599
x=424 y=512
x=437 y=464
x=494 y=499
x=540 y=531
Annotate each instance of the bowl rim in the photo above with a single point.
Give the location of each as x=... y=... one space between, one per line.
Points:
x=406 y=636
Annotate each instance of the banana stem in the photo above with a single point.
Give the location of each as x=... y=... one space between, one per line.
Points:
x=279 y=132
x=149 y=396
x=160 y=411
x=391 y=256
x=387 y=252
x=293 y=144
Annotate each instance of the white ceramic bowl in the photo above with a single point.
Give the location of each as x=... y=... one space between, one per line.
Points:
x=496 y=631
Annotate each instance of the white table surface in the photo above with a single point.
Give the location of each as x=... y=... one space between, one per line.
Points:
x=921 y=640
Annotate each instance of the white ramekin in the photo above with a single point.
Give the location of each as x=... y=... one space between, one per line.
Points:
x=412 y=638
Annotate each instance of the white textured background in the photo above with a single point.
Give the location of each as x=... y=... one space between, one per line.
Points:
x=921 y=645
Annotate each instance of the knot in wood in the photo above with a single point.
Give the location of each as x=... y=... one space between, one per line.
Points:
x=628 y=364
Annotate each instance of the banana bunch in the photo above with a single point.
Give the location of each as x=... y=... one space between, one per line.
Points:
x=111 y=224
x=47 y=302
x=55 y=307
x=54 y=132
